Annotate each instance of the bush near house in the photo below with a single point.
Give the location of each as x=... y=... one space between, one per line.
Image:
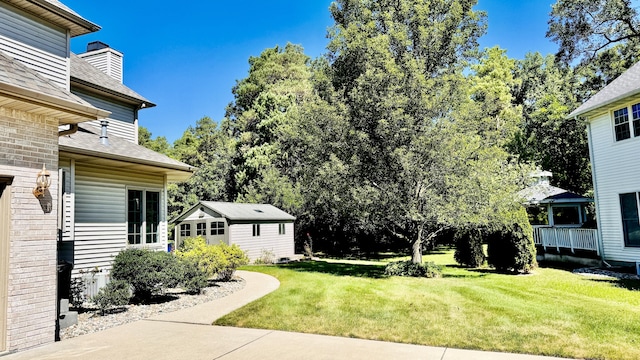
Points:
x=116 y=294
x=219 y=260
x=511 y=248
x=148 y=272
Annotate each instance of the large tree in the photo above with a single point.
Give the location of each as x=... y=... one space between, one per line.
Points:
x=418 y=167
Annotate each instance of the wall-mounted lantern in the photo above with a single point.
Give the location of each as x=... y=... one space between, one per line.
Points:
x=43 y=181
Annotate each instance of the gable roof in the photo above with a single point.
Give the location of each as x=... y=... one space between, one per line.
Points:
x=39 y=95
x=241 y=211
x=624 y=86
x=83 y=74
x=120 y=153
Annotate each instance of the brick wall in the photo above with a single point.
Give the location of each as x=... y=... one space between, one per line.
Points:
x=26 y=142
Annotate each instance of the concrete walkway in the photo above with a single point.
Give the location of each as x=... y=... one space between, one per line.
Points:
x=188 y=334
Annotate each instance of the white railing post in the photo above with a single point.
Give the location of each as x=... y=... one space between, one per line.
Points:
x=555 y=235
x=571 y=240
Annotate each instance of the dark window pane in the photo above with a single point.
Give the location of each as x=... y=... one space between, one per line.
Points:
x=563 y=215
x=134 y=216
x=621 y=121
x=152 y=217
x=630 y=222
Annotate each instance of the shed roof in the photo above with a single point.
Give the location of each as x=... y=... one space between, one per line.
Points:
x=84 y=74
x=241 y=211
x=120 y=153
x=624 y=86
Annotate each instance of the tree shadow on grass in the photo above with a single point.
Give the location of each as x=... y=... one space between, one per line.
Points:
x=339 y=269
x=629 y=284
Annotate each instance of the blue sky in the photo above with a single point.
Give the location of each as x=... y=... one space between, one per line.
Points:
x=187 y=58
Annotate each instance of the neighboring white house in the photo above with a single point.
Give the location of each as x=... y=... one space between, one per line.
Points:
x=256 y=228
x=613 y=120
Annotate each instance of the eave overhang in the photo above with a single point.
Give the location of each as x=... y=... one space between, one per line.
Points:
x=67 y=112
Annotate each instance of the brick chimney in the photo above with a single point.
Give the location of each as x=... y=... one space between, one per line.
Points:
x=104 y=58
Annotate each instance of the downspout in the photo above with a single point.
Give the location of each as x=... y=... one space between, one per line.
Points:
x=73 y=128
x=595 y=192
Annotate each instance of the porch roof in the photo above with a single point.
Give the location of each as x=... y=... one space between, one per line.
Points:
x=543 y=193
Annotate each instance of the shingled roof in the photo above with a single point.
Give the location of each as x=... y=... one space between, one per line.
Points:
x=85 y=74
x=19 y=81
x=624 y=86
x=241 y=212
x=86 y=144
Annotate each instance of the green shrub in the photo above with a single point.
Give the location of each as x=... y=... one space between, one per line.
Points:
x=148 y=272
x=117 y=293
x=469 y=251
x=408 y=268
x=234 y=258
x=221 y=259
x=192 y=279
x=511 y=248
x=76 y=292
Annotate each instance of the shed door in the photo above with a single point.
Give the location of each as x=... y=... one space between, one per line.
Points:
x=5 y=213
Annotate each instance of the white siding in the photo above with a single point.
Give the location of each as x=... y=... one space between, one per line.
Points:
x=269 y=239
x=100 y=213
x=616 y=171
x=122 y=119
x=106 y=60
x=39 y=45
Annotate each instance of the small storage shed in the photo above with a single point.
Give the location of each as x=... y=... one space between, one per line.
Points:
x=258 y=229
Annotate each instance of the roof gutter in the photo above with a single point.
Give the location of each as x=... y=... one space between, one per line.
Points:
x=70 y=16
x=73 y=150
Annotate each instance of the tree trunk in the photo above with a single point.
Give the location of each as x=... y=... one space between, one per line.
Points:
x=416 y=255
x=416 y=247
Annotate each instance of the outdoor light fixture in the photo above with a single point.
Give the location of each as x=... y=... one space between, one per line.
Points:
x=43 y=181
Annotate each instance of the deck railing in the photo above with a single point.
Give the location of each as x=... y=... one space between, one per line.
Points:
x=566 y=237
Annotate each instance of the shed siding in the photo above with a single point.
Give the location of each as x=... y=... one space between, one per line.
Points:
x=269 y=240
x=616 y=169
x=39 y=45
x=100 y=213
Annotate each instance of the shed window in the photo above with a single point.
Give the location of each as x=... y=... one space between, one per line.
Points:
x=143 y=216
x=281 y=229
x=185 y=230
x=217 y=228
x=630 y=220
x=201 y=229
x=256 y=229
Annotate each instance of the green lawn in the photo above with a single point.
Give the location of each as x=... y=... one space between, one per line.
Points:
x=552 y=312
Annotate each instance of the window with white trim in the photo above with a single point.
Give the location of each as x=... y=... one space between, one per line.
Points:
x=185 y=230
x=217 y=228
x=143 y=216
x=630 y=219
x=201 y=229
x=623 y=128
x=256 y=229
x=281 y=229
